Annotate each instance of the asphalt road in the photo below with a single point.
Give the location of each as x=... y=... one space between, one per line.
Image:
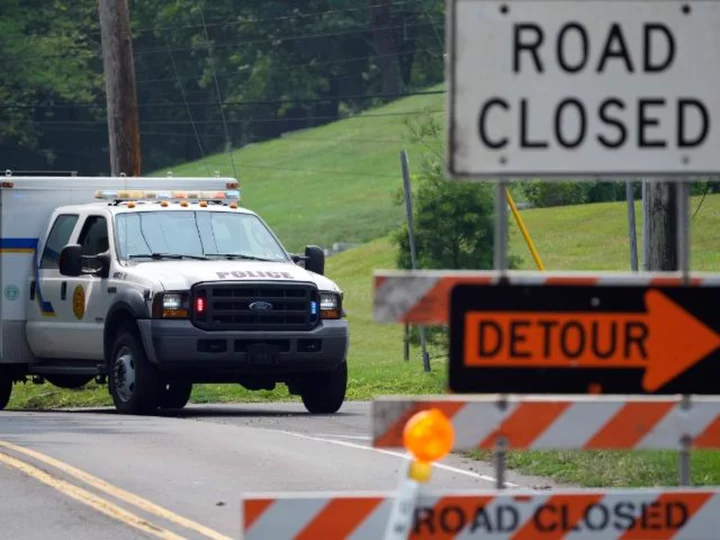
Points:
x=96 y=474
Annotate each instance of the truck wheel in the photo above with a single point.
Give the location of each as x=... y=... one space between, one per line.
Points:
x=174 y=395
x=68 y=381
x=6 y=383
x=325 y=392
x=132 y=379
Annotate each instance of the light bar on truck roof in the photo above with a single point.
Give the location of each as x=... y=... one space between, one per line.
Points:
x=147 y=195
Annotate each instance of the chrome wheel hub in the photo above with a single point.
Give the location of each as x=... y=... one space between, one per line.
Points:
x=124 y=370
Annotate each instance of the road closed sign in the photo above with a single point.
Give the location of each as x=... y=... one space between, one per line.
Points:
x=587 y=88
x=602 y=514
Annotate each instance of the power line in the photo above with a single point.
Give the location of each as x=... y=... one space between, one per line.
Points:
x=187 y=107
x=297 y=15
x=289 y=136
x=228 y=143
x=352 y=97
x=314 y=171
x=304 y=119
x=304 y=65
x=707 y=189
x=297 y=37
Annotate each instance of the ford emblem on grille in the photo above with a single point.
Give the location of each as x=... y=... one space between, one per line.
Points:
x=261 y=306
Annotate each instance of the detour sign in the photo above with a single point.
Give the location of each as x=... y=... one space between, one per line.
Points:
x=583 y=339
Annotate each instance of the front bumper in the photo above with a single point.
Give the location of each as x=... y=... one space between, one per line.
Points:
x=179 y=346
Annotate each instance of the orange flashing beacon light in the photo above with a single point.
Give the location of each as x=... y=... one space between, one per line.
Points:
x=428 y=436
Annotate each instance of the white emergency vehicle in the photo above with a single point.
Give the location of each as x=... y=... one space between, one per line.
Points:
x=155 y=284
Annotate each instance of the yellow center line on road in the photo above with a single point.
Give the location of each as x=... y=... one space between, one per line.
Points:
x=85 y=497
x=117 y=492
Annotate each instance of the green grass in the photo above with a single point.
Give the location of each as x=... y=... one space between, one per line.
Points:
x=330 y=184
x=595 y=236
x=641 y=468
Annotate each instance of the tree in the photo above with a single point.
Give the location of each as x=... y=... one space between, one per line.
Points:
x=454 y=222
x=45 y=57
x=273 y=68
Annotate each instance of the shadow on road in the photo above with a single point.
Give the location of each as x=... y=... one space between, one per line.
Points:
x=202 y=411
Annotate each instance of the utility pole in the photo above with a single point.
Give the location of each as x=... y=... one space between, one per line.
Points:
x=122 y=110
x=662 y=198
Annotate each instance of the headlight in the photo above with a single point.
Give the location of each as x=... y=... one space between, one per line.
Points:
x=330 y=305
x=171 y=305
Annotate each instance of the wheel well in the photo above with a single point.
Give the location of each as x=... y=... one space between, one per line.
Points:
x=122 y=318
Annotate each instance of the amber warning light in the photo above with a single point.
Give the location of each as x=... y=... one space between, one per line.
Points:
x=428 y=436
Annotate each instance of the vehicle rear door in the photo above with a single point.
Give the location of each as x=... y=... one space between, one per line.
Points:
x=48 y=313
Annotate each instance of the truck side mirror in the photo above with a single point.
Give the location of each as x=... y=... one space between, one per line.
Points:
x=315 y=259
x=70 y=262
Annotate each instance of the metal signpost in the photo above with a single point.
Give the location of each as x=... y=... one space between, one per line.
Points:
x=556 y=90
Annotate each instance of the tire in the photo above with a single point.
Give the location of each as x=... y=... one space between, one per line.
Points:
x=325 y=392
x=132 y=380
x=174 y=395
x=68 y=381
x=6 y=384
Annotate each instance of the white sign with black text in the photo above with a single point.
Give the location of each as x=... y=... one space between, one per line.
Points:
x=583 y=88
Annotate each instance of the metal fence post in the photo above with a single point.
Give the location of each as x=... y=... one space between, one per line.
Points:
x=408 y=207
x=632 y=234
x=683 y=255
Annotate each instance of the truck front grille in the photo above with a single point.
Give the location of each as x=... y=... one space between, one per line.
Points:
x=288 y=306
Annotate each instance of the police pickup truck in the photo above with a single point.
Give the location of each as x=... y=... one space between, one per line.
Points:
x=152 y=285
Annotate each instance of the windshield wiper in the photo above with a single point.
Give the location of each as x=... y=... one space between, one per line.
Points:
x=238 y=256
x=159 y=256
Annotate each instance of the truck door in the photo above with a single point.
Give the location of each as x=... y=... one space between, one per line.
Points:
x=88 y=295
x=48 y=312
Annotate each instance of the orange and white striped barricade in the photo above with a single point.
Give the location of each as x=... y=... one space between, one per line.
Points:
x=643 y=513
x=539 y=422
x=556 y=334
x=423 y=296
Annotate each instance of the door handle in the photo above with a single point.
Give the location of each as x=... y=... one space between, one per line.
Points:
x=63 y=290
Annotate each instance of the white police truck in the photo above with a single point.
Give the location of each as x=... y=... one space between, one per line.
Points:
x=152 y=285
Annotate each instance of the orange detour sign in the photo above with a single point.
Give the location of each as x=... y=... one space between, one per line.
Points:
x=558 y=339
x=691 y=513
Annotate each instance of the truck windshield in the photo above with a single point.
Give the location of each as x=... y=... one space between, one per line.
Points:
x=195 y=234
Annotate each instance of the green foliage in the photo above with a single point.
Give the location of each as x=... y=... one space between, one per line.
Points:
x=546 y=194
x=453 y=222
x=35 y=40
x=266 y=67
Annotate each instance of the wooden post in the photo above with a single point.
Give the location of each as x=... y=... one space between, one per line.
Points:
x=122 y=110
x=662 y=226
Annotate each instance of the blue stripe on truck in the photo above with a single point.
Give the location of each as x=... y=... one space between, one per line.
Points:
x=18 y=245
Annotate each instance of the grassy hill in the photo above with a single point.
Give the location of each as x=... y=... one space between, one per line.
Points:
x=330 y=184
